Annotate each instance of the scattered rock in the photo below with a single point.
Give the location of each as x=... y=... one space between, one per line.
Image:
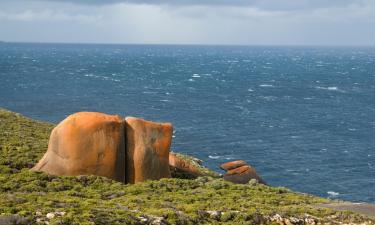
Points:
x=86 y=143
x=232 y=165
x=50 y=216
x=147 y=150
x=214 y=214
x=152 y=220
x=253 y=182
x=60 y=213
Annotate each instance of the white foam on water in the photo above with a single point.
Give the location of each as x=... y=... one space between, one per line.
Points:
x=191 y=80
x=213 y=156
x=195 y=75
x=332 y=88
x=149 y=92
x=250 y=90
x=266 y=85
x=332 y=193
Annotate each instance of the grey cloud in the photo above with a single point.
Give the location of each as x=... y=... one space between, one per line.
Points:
x=262 y=4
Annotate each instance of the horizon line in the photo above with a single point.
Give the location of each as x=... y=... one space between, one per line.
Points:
x=189 y=44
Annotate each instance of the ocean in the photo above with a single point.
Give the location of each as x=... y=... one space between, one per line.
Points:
x=304 y=117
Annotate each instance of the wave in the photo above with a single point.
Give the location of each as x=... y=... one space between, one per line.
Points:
x=332 y=193
x=266 y=85
x=332 y=88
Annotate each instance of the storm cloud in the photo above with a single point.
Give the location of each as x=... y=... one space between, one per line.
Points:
x=262 y=4
x=251 y=22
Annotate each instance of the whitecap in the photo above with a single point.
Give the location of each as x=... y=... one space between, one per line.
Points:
x=191 y=80
x=250 y=90
x=149 y=92
x=332 y=88
x=266 y=85
x=268 y=98
x=196 y=75
x=213 y=156
x=332 y=193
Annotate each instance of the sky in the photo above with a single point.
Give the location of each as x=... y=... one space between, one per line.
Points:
x=223 y=22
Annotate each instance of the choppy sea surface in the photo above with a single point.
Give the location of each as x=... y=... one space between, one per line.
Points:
x=304 y=117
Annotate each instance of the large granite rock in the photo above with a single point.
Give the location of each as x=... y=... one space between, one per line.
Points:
x=147 y=150
x=86 y=143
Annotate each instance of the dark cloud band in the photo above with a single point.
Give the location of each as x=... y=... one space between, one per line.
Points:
x=263 y=4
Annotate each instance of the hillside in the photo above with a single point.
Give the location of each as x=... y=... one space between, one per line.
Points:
x=35 y=198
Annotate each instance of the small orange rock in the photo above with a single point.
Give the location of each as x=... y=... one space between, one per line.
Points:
x=242 y=175
x=147 y=150
x=232 y=165
x=86 y=143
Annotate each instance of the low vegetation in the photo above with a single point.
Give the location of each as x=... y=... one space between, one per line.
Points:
x=36 y=198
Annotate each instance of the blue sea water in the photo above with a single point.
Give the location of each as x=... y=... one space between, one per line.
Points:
x=304 y=117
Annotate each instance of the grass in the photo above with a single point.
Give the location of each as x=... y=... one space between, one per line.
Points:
x=36 y=198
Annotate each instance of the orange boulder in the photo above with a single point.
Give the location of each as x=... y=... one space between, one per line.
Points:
x=242 y=175
x=147 y=150
x=232 y=165
x=86 y=143
x=182 y=167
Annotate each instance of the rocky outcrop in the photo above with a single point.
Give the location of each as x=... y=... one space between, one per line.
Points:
x=147 y=150
x=129 y=150
x=182 y=168
x=240 y=173
x=91 y=143
x=232 y=165
x=86 y=143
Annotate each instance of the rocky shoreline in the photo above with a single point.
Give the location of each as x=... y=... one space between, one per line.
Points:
x=28 y=197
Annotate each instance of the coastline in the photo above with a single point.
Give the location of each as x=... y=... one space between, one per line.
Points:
x=38 y=198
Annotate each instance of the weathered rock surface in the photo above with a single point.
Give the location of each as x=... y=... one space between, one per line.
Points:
x=86 y=143
x=232 y=165
x=240 y=174
x=182 y=168
x=147 y=150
